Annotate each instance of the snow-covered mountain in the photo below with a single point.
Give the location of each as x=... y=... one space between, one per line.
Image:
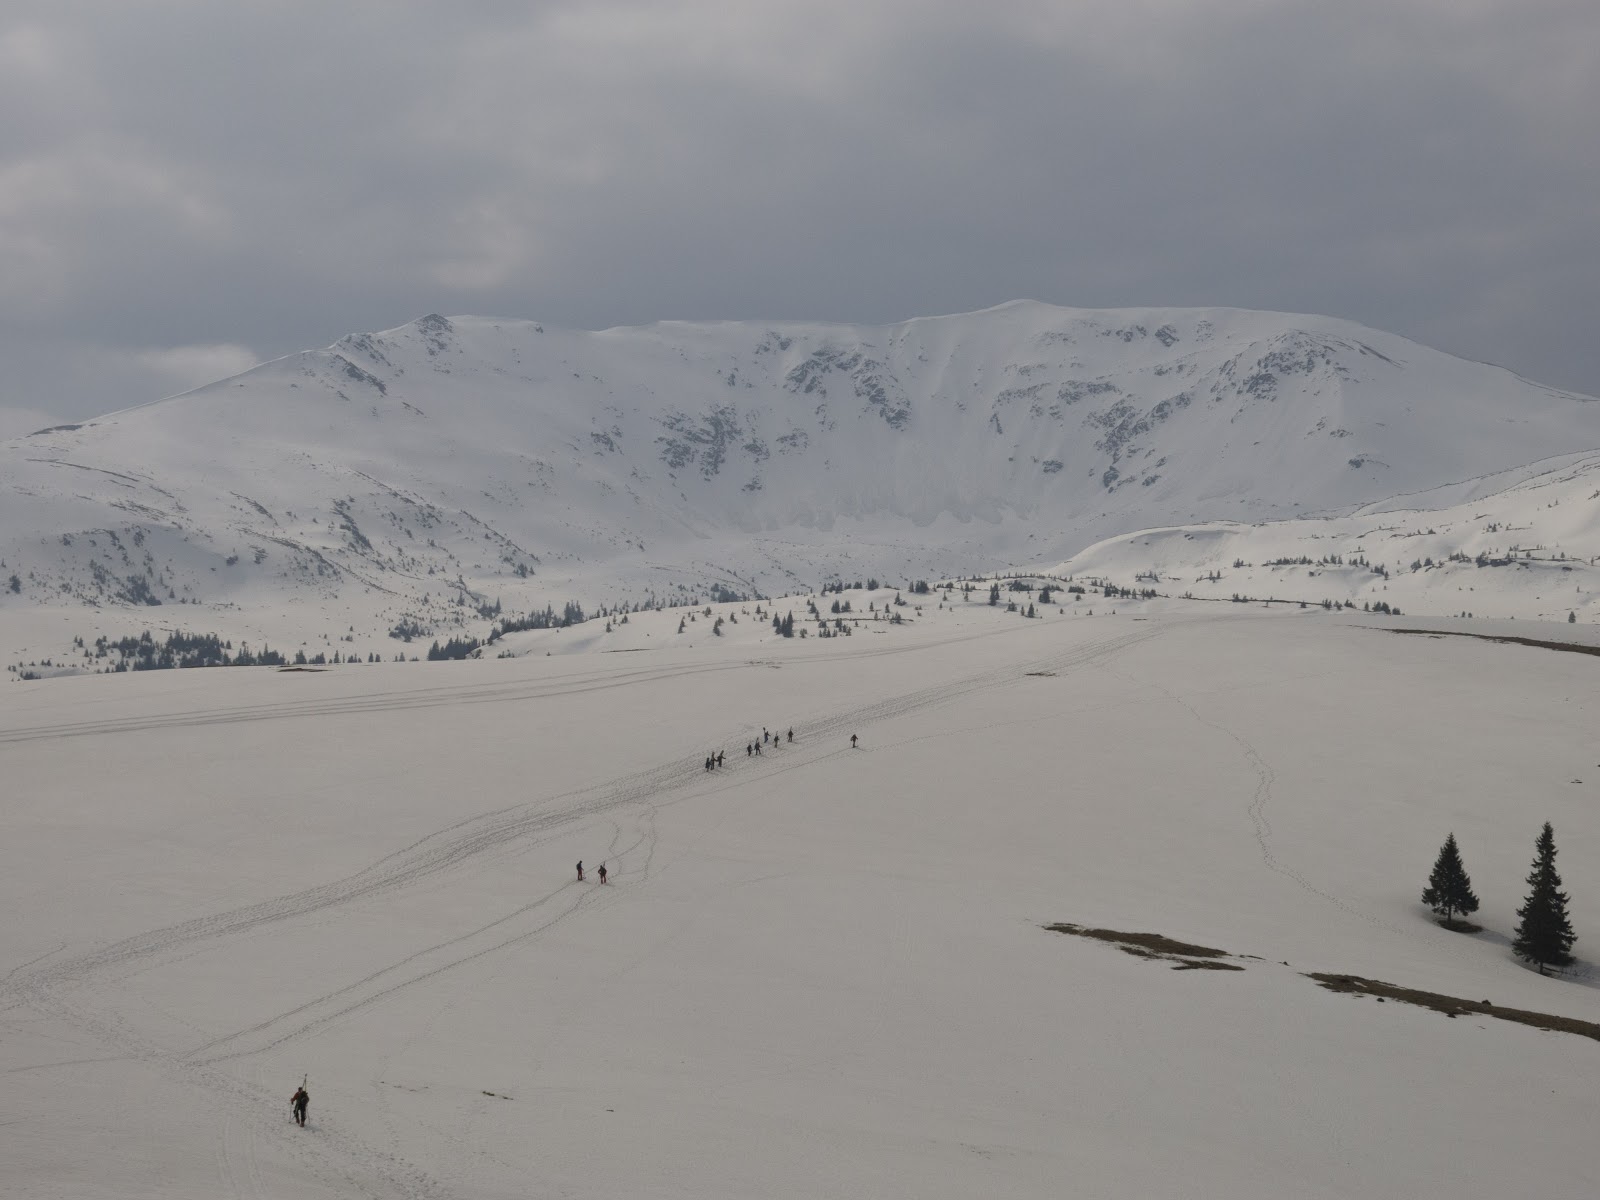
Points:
x=432 y=470
x=1522 y=543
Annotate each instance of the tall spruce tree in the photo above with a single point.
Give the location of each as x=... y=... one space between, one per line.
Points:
x=1449 y=890
x=1544 y=936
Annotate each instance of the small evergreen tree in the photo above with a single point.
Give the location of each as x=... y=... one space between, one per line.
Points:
x=1543 y=933
x=1449 y=890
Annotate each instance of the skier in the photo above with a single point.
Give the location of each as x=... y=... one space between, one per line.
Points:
x=747 y=750
x=298 y=1102
x=765 y=736
x=719 y=757
x=602 y=872
x=580 y=870
x=758 y=749
x=791 y=735
x=852 y=741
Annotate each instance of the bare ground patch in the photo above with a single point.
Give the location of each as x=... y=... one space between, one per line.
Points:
x=1453 y=1006
x=1186 y=955
x=1569 y=647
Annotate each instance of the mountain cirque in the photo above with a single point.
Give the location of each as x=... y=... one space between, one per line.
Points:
x=431 y=471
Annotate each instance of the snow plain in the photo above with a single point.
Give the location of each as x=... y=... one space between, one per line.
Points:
x=822 y=972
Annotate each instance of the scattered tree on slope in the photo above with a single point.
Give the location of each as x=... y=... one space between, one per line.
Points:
x=1544 y=935
x=1449 y=889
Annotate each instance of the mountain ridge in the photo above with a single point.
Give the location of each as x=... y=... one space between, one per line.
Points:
x=455 y=462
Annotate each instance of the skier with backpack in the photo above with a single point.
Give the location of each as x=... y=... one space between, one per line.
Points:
x=298 y=1104
x=602 y=872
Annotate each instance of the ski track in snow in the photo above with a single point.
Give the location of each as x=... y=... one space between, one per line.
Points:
x=379 y=702
x=1256 y=810
x=674 y=780
x=66 y=988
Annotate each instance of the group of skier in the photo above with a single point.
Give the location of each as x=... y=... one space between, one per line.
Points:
x=600 y=871
x=753 y=749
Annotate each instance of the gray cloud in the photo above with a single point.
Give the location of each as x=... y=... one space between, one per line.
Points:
x=184 y=176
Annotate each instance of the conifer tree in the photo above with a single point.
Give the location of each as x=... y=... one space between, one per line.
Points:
x=1544 y=936
x=1449 y=890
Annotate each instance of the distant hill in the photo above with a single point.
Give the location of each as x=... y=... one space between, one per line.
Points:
x=1521 y=544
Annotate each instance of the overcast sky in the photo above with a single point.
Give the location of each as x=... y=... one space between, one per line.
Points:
x=189 y=186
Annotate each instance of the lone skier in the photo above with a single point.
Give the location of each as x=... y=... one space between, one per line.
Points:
x=602 y=872
x=791 y=735
x=580 y=870
x=852 y=741
x=298 y=1102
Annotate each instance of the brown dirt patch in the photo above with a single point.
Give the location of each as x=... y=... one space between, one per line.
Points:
x=1188 y=957
x=1569 y=647
x=1453 y=1006
x=1147 y=945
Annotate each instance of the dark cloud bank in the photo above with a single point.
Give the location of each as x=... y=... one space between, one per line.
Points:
x=186 y=185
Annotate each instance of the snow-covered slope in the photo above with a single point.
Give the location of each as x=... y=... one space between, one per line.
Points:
x=431 y=470
x=1525 y=544
x=821 y=972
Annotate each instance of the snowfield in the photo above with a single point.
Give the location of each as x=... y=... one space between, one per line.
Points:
x=1522 y=544
x=820 y=972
